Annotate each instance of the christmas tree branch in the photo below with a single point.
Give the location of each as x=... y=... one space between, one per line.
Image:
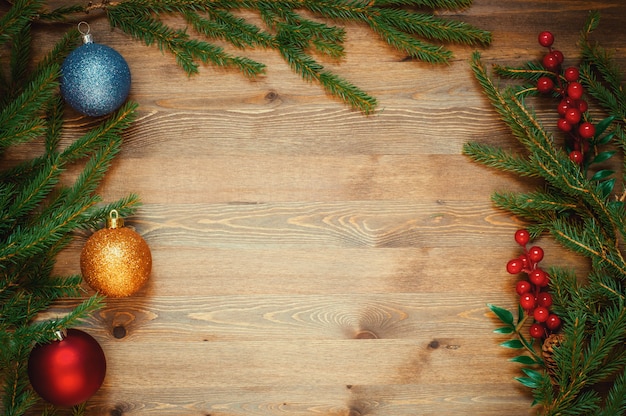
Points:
x=288 y=31
x=21 y=118
x=577 y=207
x=499 y=159
x=38 y=216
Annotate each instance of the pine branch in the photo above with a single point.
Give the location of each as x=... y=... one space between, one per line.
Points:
x=432 y=27
x=20 y=15
x=576 y=206
x=98 y=137
x=20 y=58
x=584 y=241
x=295 y=36
x=499 y=159
x=615 y=403
x=235 y=30
x=28 y=197
x=413 y=47
x=433 y=4
x=21 y=119
x=96 y=215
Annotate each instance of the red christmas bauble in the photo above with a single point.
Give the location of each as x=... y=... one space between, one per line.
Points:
x=69 y=371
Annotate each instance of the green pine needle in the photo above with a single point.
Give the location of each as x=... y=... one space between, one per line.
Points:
x=294 y=34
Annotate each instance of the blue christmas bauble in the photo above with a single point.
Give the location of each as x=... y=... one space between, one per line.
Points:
x=95 y=79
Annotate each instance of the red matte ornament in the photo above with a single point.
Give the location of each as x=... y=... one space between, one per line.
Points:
x=69 y=371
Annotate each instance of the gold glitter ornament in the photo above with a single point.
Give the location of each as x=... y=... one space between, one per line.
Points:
x=116 y=261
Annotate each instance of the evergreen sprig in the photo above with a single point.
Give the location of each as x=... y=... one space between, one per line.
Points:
x=580 y=207
x=38 y=216
x=403 y=24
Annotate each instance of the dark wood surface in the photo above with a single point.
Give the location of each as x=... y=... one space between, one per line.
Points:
x=309 y=260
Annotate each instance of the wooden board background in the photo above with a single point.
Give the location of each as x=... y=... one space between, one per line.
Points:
x=309 y=260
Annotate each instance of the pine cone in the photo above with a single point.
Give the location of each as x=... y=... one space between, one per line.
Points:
x=547 y=351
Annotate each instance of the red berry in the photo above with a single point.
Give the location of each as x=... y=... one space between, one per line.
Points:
x=522 y=287
x=586 y=130
x=522 y=237
x=527 y=302
x=538 y=277
x=572 y=115
x=575 y=90
x=535 y=254
x=550 y=62
x=559 y=56
x=536 y=331
x=553 y=322
x=546 y=39
x=571 y=74
x=545 y=85
x=525 y=262
x=582 y=105
x=563 y=125
x=576 y=156
x=541 y=314
x=514 y=266
x=544 y=299
x=562 y=107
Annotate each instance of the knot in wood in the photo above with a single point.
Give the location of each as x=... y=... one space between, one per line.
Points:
x=366 y=335
x=271 y=96
x=119 y=332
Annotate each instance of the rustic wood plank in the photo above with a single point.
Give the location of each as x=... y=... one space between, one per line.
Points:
x=309 y=260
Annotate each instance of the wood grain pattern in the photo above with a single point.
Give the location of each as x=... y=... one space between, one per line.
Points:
x=309 y=260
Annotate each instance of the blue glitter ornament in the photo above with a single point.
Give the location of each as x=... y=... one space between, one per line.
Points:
x=95 y=79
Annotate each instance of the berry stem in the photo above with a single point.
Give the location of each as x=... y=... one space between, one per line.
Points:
x=527 y=345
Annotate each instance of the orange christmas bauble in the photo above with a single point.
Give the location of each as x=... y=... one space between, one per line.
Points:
x=116 y=261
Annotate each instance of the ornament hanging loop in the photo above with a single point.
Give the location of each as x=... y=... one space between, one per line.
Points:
x=60 y=334
x=85 y=29
x=114 y=220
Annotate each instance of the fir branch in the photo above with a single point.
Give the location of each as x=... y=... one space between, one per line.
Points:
x=21 y=13
x=399 y=27
x=17 y=397
x=568 y=356
x=432 y=27
x=58 y=53
x=585 y=241
x=125 y=206
x=21 y=119
x=348 y=92
x=31 y=194
x=615 y=403
x=98 y=137
x=306 y=34
x=517 y=206
x=45 y=232
x=554 y=166
x=549 y=204
x=500 y=159
x=433 y=4
x=578 y=212
x=413 y=47
x=54 y=122
x=60 y=14
x=531 y=71
x=599 y=57
x=142 y=26
x=20 y=58
x=226 y=26
x=567 y=292
x=216 y=55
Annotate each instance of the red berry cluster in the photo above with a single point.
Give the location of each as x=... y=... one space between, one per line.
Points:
x=534 y=297
x=572 y=107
